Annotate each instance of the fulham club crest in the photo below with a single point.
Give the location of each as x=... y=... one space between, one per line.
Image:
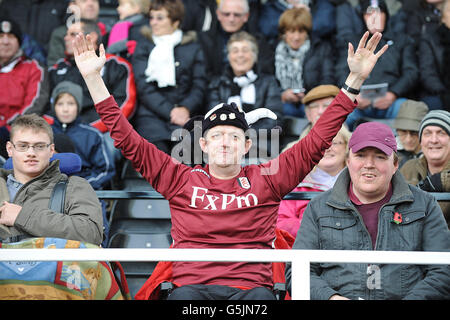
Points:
x=244 y=183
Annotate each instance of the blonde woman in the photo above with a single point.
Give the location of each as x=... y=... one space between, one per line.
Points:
x=321 y=178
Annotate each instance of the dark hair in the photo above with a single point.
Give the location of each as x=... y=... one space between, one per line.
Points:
x=89 y=26
x=175 y=8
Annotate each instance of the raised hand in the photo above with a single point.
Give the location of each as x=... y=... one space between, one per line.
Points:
x=89 y=65
x=87 y=61
x=364 y=59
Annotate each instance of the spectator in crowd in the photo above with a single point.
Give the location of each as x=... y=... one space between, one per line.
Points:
x=80 y=9
x=372 y=207
x=302 y=61
x=133 y=15
x=349 y=19
x=322 y=11
x=434 y=56
x=321 y=178
x=232 y=16
x=199 y=15
x=398 y=68
x=424 y=18
x=407 y=125
x=118 y=76
x=170 y=75
x=24 y=82
x=316 y=102
x=224 y=204
x=27 y=188
x=37 y=19
x=97 y=165
x=431 y=171
x=243 y=84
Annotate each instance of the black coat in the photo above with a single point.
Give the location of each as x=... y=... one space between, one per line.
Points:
x=431 y=62
x=155 y=104
x=318 y=65
x=214 y=46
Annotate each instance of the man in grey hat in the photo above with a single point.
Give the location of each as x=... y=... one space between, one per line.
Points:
x=431 y=171
x=407 y=124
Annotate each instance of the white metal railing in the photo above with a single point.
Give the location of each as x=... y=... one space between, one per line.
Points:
x=300 y=259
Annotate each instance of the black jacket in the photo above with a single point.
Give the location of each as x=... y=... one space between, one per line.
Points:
x=156 y=103
x=214 y=47
x=431 y=62
x=318 y=66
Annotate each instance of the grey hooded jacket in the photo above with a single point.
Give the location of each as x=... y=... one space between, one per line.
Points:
x=331 y=222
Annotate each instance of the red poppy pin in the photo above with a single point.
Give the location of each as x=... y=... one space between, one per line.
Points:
x=397 y=218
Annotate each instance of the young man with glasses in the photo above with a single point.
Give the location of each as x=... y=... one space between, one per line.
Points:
x=25 y=190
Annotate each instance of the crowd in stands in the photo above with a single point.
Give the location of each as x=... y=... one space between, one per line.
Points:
x=167 y=64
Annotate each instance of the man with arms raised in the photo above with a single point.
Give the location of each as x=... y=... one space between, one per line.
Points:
x=223 y=204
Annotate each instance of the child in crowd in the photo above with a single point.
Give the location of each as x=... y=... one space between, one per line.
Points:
x=97 y=166
x=133 y=14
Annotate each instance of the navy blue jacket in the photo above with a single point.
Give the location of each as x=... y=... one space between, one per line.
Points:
x=97 y=166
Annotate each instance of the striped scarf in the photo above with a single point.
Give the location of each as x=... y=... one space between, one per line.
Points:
x=289 y=65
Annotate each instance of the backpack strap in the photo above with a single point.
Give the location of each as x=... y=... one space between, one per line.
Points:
x=58 y=196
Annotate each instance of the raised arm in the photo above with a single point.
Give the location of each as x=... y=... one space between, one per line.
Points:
x=89 y=65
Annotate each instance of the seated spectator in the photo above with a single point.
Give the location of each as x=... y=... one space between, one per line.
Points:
x=80 y=9
x=23 y=81
x=118 y=75
x=434 y=56
x=321 y=178
x=224 y=204
x=431 y=171
x=316 y=101
x=302 y=61
x=170 y=75
x=407 y=124
x=242 y=84
x=233 y=16
x=37 y=19
x=133 y=16
x=27 y=188
x=97 y=165
x=372 y=207
x=398 y=68
x=349 y=19
x=322 y=11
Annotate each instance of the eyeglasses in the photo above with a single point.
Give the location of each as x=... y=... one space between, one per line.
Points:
x=235 y=14
x=23 y=147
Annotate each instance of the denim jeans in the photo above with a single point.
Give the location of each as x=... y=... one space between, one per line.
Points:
x=371 y=112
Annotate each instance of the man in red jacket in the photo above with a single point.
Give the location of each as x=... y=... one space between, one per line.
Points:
x=23 y=82
x=223 y=204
